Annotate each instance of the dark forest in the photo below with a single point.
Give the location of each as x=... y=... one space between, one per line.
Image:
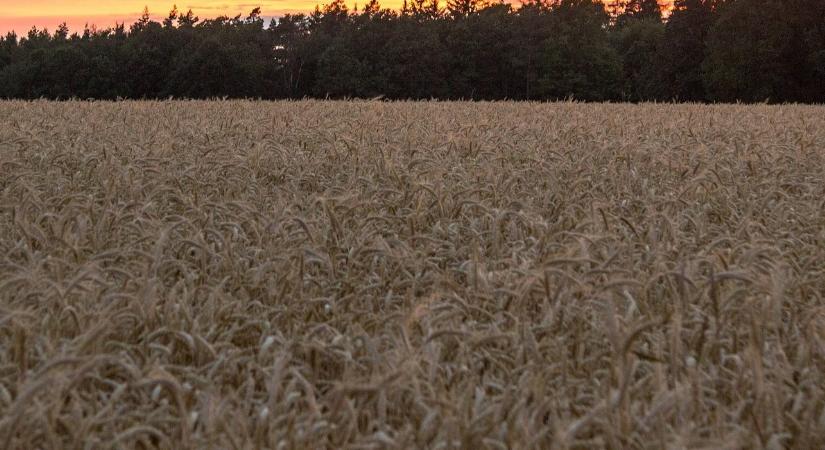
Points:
x=703 y=51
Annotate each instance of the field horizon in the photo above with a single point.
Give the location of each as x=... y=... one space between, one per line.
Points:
x=362 y=274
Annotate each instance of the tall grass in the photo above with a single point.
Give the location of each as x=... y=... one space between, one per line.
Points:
x=411 y=275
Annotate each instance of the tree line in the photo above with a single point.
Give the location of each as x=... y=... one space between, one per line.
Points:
x=705 y=50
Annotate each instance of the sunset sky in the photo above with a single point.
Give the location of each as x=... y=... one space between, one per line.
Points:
x=21 y=15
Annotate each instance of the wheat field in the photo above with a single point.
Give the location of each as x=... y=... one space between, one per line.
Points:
x=330 y=275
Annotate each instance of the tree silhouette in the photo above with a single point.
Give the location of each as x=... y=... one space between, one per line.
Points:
x=764 y=50
x=682 y=49
x=464 y=8
x=706 y=50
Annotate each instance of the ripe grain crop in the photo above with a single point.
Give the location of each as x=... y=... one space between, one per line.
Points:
x=411 y=275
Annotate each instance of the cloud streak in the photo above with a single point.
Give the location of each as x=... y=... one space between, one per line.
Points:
x=21 y=16
x=106 y=13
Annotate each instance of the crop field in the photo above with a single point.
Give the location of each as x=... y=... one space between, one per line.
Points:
x=330 y=275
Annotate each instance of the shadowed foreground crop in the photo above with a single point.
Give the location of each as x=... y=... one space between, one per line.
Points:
x=411 y=275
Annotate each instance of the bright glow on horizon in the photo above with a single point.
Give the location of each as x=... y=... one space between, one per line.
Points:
x=21 y=16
